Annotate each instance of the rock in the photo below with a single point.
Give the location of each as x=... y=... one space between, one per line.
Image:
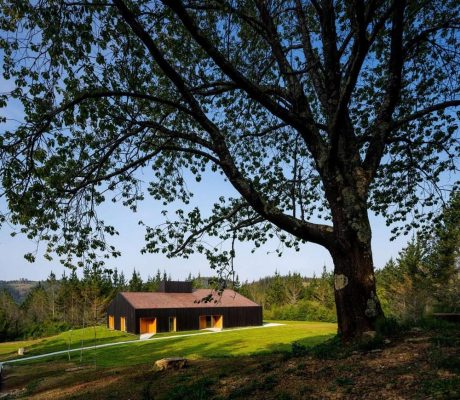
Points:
x=386 y=341
x=376 y=351
x=369 y=335
x=21 y=351
x=417 y=339
x=171 y=363
x=416 y=329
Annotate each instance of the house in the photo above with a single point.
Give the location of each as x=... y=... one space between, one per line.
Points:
x=177 y=307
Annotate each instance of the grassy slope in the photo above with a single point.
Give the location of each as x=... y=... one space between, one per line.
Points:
x=205 y=345
x=415 y=365
x=77 y=338
x=225 y=344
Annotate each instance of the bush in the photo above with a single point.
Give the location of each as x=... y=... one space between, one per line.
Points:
x=37 y=330
x=303 y=311
x=388 y=327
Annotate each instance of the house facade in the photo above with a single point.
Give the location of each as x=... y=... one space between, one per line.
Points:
x=177 y=307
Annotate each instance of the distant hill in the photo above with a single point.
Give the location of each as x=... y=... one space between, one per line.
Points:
x=18 y=289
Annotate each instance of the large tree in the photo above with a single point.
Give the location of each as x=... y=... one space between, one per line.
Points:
x=314 y=111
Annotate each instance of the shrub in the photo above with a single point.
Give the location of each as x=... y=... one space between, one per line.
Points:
x=388 y=327
x=305 y=310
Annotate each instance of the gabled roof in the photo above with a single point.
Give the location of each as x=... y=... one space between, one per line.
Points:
x=229 y=298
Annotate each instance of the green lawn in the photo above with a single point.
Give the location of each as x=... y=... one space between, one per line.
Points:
x=76 y=337
x=207 y=345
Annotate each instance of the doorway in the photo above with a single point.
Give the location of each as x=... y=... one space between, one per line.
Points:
x=172 y=324
x=111 y=322
x=211 y=321
x=148 y=325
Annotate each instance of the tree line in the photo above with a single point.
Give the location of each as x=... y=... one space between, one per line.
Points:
x=56 y=304
x=69 y=302
x=424 y=278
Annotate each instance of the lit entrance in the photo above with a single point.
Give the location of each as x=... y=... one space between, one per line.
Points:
x=211 y=321
x=111 y=322
x=148 y=325
x=172 y=324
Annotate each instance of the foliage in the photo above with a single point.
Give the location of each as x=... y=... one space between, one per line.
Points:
x=56 y=305
x=305 y=310
x=9 y=317
x=314 y=113
x=425 y=277
x=275 y=294
x=293 y=297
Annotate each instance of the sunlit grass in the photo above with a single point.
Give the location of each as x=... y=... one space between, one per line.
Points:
x=228 y=343
x=76 y=338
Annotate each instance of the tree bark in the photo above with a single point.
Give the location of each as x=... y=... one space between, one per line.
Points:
x=358 y=307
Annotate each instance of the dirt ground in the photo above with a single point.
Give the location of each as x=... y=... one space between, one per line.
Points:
x=418 y=364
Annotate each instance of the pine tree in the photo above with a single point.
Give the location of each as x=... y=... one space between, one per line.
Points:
x=52 y=285
x=276 y=294
x=135 y=283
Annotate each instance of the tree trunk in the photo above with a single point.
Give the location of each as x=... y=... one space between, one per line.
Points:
x=358 y=307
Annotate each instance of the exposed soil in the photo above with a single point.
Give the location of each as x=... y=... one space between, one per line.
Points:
x=417 y=365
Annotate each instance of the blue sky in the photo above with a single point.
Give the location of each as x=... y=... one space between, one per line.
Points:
x=250 y=266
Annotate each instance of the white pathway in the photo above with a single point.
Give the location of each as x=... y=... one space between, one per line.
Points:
x=208 y=332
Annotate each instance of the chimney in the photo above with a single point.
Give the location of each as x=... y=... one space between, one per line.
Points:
x=175 y=287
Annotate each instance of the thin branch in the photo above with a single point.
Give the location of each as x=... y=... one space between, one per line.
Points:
x=197 y=233
x=436 y=107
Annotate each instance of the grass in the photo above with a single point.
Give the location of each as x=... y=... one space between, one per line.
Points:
x=255 y=363
x=77 y=338
x=228 y=343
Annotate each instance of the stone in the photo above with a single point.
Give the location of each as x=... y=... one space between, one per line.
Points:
x=417 y=339
x=171 y=363
x=369 y=335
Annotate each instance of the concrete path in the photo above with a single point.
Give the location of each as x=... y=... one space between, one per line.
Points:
x=146 y=336
x=56 y=353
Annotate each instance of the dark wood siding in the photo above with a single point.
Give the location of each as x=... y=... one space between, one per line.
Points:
x=186 y=318
x=120 y=307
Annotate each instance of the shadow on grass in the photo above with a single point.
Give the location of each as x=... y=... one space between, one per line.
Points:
x=208 y=346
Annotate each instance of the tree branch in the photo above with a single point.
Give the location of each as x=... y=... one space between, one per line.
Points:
x=249 y=87
x=314 y=66
x=200 y=232
x=382 y=125
x=425 y=111
x=316 y=233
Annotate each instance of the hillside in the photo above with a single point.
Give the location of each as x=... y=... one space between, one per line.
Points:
x=18 y=289
x=417 y=364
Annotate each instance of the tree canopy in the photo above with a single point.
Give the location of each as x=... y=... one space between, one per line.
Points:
x=314 y=111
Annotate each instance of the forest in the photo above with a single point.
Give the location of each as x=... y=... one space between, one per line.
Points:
x=423 y=279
